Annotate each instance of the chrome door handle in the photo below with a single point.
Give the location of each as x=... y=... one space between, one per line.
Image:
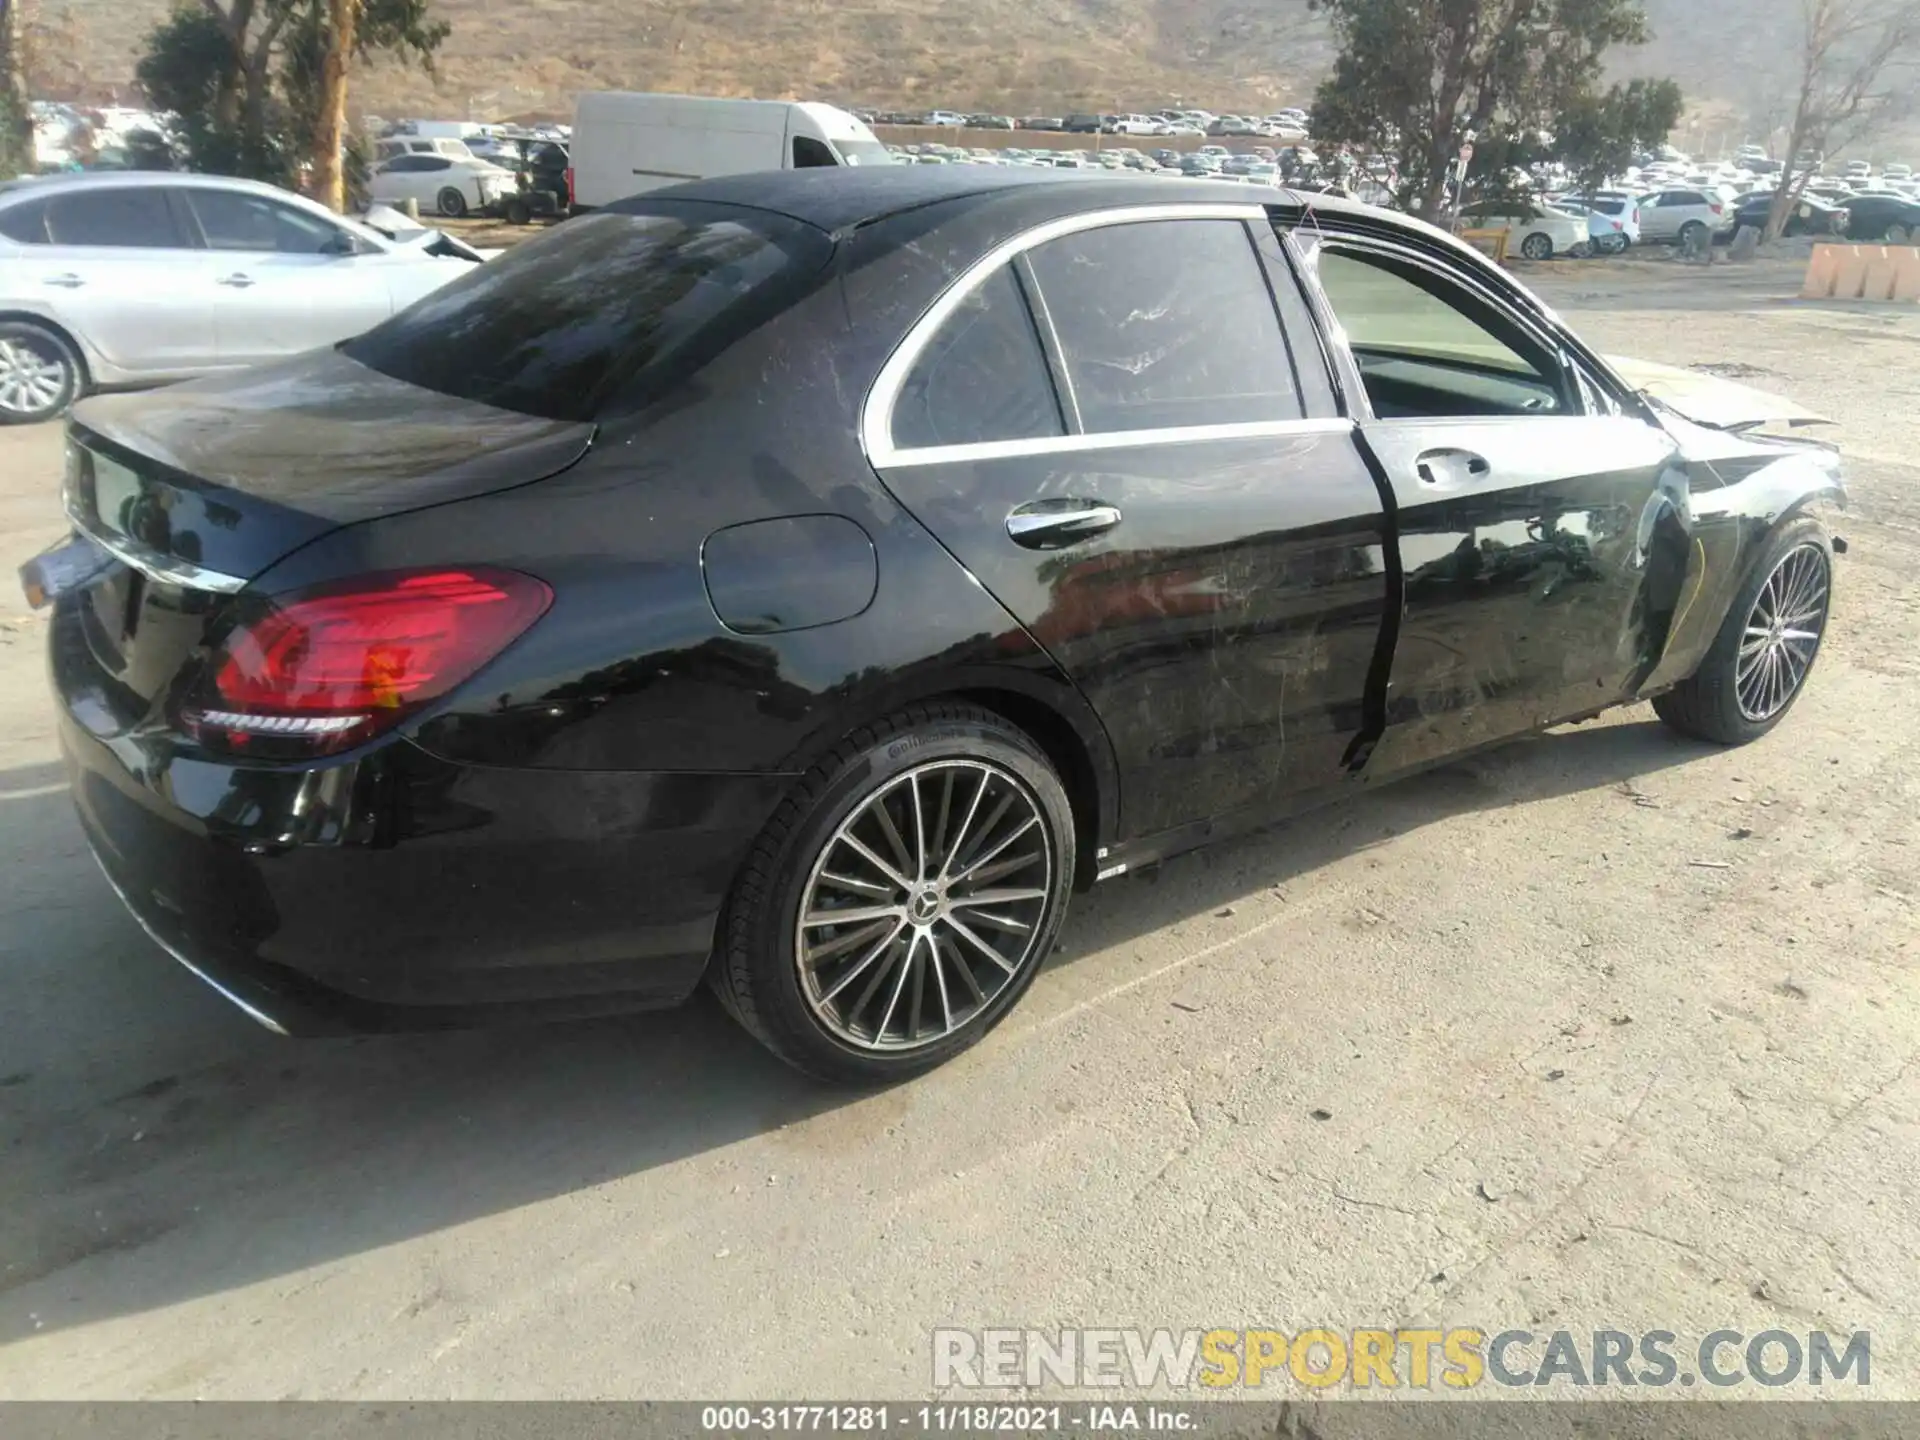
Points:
x=66 y=282
x=238 y=282
x=1050 y=524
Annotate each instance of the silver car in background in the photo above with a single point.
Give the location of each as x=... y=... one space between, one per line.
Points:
x=137 y=278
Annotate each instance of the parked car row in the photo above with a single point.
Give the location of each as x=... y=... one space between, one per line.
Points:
x=1283 y=124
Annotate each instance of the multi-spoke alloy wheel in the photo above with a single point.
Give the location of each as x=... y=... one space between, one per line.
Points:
x=1758 y=663
x=903 y=897
x=1782 y=633
x=924 y=904
x=38 y=374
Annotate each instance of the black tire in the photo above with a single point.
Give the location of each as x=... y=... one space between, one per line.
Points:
x=1694 y=236
x=518 y=211
x=451 y=202
x=756 y=971
x=1898 y=234
x=41 y=374
x=1707 y=705
x=1536 y=247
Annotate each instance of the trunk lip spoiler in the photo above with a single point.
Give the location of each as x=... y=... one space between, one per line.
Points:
x=151 y=563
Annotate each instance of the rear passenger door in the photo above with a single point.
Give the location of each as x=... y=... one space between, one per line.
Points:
x=120 y=269
x=1661 y=215
x=1127 y=433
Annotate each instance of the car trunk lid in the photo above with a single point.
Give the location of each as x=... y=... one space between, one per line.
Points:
x=199 y=488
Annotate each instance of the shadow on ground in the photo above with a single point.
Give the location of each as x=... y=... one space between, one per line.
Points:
x=158 y=1147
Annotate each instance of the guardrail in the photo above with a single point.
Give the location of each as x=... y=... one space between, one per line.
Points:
x=1863 y=272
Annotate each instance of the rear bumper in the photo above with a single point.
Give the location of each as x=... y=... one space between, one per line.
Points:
x=397 y=891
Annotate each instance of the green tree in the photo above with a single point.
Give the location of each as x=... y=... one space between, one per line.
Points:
x=325 y=36
x=1599 y=135
x=1858 y=74
x=245 y=77
x=1416 y=78
x=229 y=123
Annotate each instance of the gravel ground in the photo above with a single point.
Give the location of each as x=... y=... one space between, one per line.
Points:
x=1487 y=1049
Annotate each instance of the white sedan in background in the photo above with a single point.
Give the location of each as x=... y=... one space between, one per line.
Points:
x=1534 y=231
x=138 y=277
x=440 y=184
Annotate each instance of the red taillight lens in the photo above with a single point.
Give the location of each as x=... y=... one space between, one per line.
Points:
x=327 y=668
x=569 y=187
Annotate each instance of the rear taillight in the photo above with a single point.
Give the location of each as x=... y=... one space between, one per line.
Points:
x=328 y=668
x=569 y=187
x=1714 y=206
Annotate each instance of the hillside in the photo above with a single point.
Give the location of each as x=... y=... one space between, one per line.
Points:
x=512 y=57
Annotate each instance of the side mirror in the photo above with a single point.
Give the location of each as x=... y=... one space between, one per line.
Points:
x=340 y=244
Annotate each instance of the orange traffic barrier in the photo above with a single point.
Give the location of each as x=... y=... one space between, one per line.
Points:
x=1850 y=280
x=1490 y=243
x=1906 y=275
x=1822 y=266
x=1863 y=272
x=1877 y=283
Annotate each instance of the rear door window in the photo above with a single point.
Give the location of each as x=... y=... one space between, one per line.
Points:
x=603 y=314
x=123 y=216
x=982 y=378
x=1165 y=324
x=25 y=223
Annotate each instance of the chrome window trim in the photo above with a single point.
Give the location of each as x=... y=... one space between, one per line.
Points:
x=983 y=450
x=876 y=413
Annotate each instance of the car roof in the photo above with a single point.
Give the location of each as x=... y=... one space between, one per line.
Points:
x=119 y=179
x=846 y=197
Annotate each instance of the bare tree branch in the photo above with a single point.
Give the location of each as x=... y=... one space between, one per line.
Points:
x=1859 y=75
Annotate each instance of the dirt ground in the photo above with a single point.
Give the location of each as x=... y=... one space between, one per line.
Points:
x=1604 y=1030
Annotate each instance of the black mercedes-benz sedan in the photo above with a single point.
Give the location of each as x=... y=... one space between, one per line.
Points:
x=804 y=582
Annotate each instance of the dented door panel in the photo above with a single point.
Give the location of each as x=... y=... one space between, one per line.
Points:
x=1223 y=629
x=1542 y=587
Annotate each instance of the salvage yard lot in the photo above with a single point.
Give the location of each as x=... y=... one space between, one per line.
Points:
x=1605 y=1029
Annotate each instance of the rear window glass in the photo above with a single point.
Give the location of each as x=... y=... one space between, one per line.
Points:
x=602 y=314
x=1166 y=324
x=120 y=216
x=982 y=378
x=26 y=222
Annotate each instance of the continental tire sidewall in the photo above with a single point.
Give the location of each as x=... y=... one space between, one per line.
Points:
x=783 y=1012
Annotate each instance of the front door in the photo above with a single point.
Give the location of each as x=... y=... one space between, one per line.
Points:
x=284 y=280
x=1113 y=432
x=1542 y=531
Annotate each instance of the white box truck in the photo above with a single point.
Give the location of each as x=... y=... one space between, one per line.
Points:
x=626 y=143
